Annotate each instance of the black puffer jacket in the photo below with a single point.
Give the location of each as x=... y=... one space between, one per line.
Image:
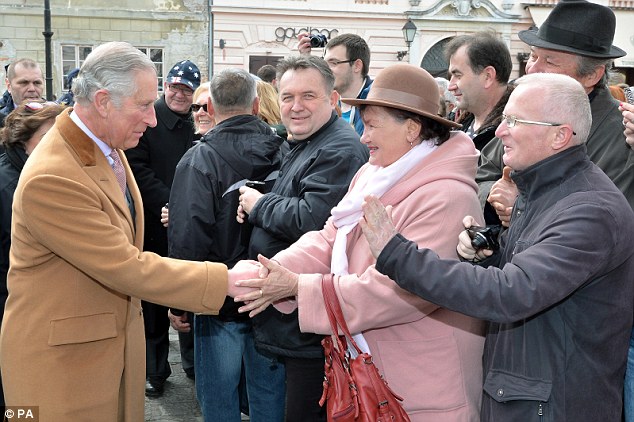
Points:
x=204 y=196
x=314 y=176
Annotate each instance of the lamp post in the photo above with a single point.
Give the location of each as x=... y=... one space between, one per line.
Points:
x=47 y=44
x=409 y=32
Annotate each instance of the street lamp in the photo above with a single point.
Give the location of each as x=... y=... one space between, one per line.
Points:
x=409 y=32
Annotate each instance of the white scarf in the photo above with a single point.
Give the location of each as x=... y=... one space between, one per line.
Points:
x=375 y=180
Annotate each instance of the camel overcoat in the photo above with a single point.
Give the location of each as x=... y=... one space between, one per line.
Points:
x=72 y=339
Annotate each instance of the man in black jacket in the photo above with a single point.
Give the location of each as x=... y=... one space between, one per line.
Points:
x=558 y=293
x=314 y=176
x=153 y=163
x=203 y=227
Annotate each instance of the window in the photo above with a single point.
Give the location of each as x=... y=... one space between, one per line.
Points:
x=73 y=56
x=156 y=55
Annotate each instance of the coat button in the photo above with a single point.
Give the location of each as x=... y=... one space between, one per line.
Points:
x=500 y=392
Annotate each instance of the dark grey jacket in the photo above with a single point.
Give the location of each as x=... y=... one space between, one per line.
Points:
x=606 y=148
x=559 y=295
x=313 y=178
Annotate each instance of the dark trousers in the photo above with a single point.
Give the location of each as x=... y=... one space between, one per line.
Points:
x=304 y=386
x=157 y=343
x=186 y=345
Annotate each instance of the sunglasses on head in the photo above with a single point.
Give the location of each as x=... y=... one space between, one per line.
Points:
x=34 y=105
x=196 y=107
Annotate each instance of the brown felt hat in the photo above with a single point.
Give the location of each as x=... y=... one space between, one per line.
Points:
x=405 y=87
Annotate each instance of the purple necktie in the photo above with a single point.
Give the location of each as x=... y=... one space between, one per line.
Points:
x=119 y=171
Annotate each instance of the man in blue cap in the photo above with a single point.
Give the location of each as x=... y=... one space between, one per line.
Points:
x=153 y=163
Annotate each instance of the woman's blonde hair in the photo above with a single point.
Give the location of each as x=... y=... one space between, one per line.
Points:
x=269 y=106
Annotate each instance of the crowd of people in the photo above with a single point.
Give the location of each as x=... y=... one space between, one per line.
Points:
x=218 y=206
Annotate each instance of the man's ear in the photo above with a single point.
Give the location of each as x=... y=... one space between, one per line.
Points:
x=256 y=106
x=563 y=137
x=489 y=74
x=590 y=80
x=334 y=98
x=102 y=102
x=358 y=66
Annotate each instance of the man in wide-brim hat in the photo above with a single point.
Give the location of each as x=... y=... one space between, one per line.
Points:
x=575 y=40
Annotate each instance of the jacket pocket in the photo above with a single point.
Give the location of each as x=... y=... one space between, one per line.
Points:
x=504 y=387
x=82 y=329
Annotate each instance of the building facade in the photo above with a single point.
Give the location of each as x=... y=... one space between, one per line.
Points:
x=249 y=33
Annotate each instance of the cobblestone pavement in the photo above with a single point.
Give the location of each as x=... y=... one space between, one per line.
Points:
x=178 y=402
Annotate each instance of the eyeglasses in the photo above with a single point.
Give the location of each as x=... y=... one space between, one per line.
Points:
x=333 y=63
x=196 y=107
x=511 y=121
x=185 y=91
x=35 y=106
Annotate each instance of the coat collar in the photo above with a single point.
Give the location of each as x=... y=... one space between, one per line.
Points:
x=96 y=166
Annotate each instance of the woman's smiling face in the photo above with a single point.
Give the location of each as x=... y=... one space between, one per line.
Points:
x=203 y=121
x=385 y=136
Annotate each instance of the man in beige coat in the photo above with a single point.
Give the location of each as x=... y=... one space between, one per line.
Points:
x=72 y=338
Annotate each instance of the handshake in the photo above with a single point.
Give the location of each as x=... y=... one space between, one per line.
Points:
x=260 y=283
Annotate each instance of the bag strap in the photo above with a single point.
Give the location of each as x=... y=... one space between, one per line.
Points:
x=333 y=309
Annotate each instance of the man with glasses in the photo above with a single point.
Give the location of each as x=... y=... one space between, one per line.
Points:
x=575 y=40
x=348 y=56
x=153 y=163
x=557 y=293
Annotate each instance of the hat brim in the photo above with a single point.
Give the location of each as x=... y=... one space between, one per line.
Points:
x=529 y=36
x=185 y=82
x=357 y=102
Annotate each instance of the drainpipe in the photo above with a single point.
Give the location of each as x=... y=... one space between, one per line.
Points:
x=210 y=54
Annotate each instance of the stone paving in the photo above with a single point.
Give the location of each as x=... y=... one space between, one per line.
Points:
x=178 y=402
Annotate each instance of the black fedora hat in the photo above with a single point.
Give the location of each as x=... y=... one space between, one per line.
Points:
x=579 y=27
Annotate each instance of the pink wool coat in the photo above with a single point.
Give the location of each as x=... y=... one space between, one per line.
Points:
x=430 y=356
x=72 y=338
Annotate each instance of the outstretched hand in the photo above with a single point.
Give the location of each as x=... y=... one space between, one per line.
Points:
x=275 y=283
x=377 y=224
x=246 y=269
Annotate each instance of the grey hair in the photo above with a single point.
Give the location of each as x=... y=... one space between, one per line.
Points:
x=586 y=65
x=444 y=85
x=233 y=90
x=564 y=101
x=111 y=66
x=307 y=62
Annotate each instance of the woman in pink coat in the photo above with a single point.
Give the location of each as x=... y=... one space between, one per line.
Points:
x=429 y=355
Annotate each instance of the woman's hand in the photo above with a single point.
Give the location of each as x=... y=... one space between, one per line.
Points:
x=377 y=224
x=276 y=283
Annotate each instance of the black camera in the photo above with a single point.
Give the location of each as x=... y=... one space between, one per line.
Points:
x=318 y=41
x=485 y=237
x=257 y=185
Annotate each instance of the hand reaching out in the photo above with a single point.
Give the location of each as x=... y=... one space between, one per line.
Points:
x=377 y=224
x=277 y=283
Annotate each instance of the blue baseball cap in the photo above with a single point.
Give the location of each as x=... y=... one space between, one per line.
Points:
x=184 y=73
